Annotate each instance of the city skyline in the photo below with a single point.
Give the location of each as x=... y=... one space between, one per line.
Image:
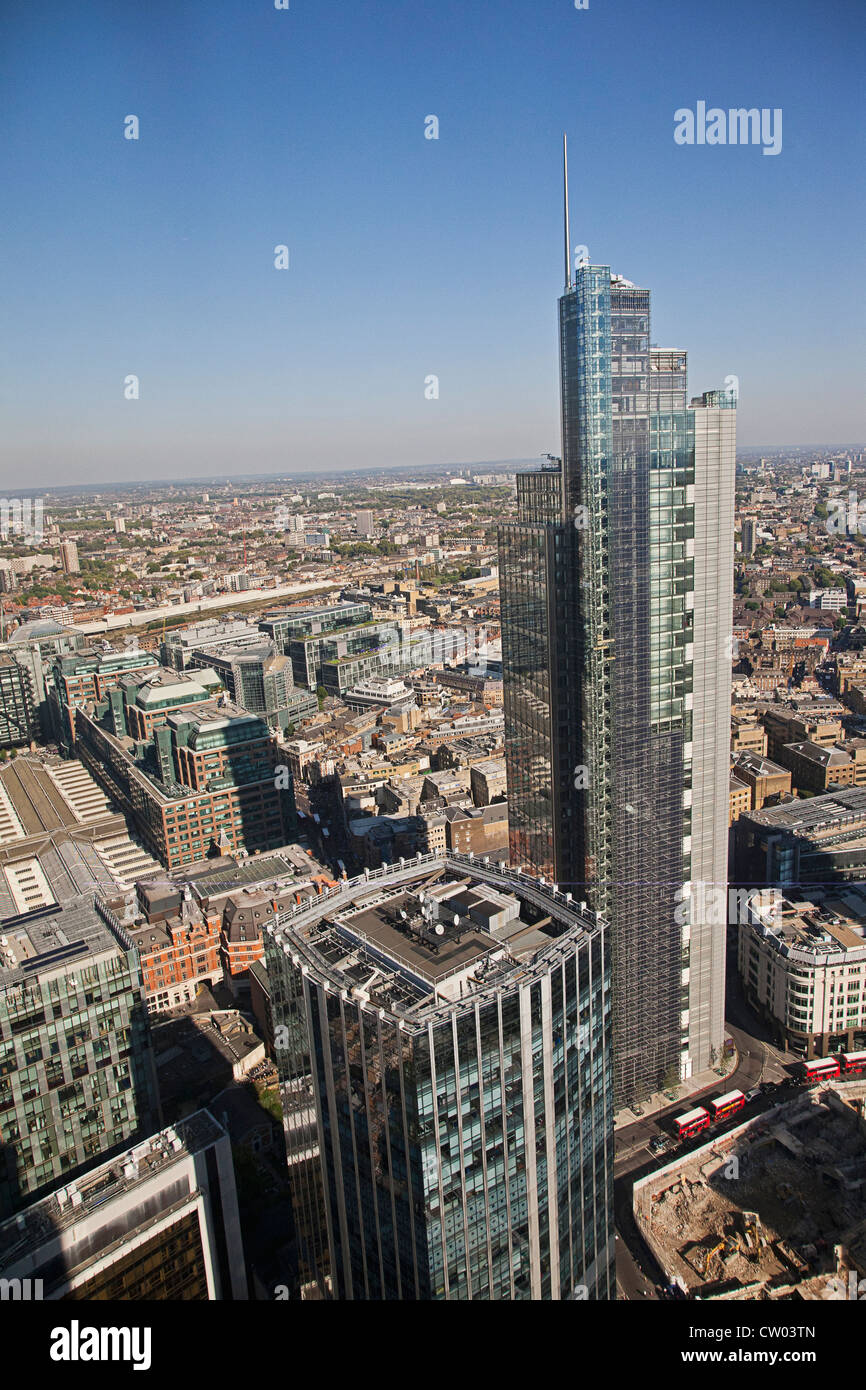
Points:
x=432 y=741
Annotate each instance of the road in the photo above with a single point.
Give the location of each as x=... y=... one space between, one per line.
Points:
x=759 y=1062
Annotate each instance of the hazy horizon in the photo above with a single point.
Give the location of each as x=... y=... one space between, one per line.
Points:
x=409 y=258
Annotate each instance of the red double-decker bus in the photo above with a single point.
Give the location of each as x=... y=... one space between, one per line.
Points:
x=723 y=1107
x=853 y=1063
x=820 y=1070
x=692 y=1122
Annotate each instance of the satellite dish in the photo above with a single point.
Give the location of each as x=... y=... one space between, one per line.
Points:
x=403 y=914
x=439 y=929
x=457 y=919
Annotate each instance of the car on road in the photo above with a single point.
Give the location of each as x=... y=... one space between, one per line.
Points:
x=658 y=1144
x=755 y=1091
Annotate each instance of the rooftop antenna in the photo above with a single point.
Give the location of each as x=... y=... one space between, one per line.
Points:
x=565 y=210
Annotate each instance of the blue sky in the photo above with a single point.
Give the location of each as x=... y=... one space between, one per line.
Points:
x=408 y=257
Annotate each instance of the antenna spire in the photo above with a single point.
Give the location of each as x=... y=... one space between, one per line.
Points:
x=565 y=210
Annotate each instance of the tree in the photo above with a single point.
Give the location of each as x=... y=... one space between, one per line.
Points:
x=671 y=1080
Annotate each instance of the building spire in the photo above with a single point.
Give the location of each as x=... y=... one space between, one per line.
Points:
x=565 y=211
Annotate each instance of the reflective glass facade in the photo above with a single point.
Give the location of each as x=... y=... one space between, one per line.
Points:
x=613 y=575
x=466 y=1148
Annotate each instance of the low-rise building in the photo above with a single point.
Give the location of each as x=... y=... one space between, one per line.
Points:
x=481 y=830
x=740 y=799
x=803 y=966
x=766 y=780
x=487 y=781
x=816 y=769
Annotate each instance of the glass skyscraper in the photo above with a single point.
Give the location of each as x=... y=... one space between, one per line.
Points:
x=616 y=586
x=445 y=1075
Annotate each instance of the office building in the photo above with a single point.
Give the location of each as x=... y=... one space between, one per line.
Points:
x=88 y=675
x=284 y=624
x=19 y=722
x=182 y=647
x=76 y=1066
x=445 y=1075
x=802 y=961
x=616 y=604
x=819 y=841
x=748 y=536
x=197 y=779
x=159 y=1221
x=34 y=646
x=260 y=680
x=766 y=780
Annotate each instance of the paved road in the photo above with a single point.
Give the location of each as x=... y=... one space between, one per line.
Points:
x=759 y=1062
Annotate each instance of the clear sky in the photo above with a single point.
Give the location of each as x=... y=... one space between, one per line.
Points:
x=408 y=257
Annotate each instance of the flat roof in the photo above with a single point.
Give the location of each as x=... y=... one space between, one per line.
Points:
x=432 y=963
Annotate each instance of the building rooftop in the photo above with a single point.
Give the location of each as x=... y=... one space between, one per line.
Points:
x=823 y=925
x=33 y=1227
x=835 y=810
x=759 y=766
x=53 y=937
x=817 y=753
x=403 y=938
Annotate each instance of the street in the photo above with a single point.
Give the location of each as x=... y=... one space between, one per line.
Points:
x=759 y=1062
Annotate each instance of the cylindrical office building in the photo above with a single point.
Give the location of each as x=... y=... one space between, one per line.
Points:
x=443 y=1035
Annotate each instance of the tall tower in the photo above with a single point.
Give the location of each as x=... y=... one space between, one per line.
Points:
x=615 y=619
x=443 y=1040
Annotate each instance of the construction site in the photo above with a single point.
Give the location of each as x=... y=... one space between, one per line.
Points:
x=774 y=1209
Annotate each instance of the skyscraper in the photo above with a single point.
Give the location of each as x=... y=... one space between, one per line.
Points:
x=443 y=1030
x=616 y=588
x=69 y=557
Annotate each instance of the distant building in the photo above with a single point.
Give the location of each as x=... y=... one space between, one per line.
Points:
x=182 y=648
x=834 y=600
x=69 y=557
x=749 y=528
x=364 y=523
